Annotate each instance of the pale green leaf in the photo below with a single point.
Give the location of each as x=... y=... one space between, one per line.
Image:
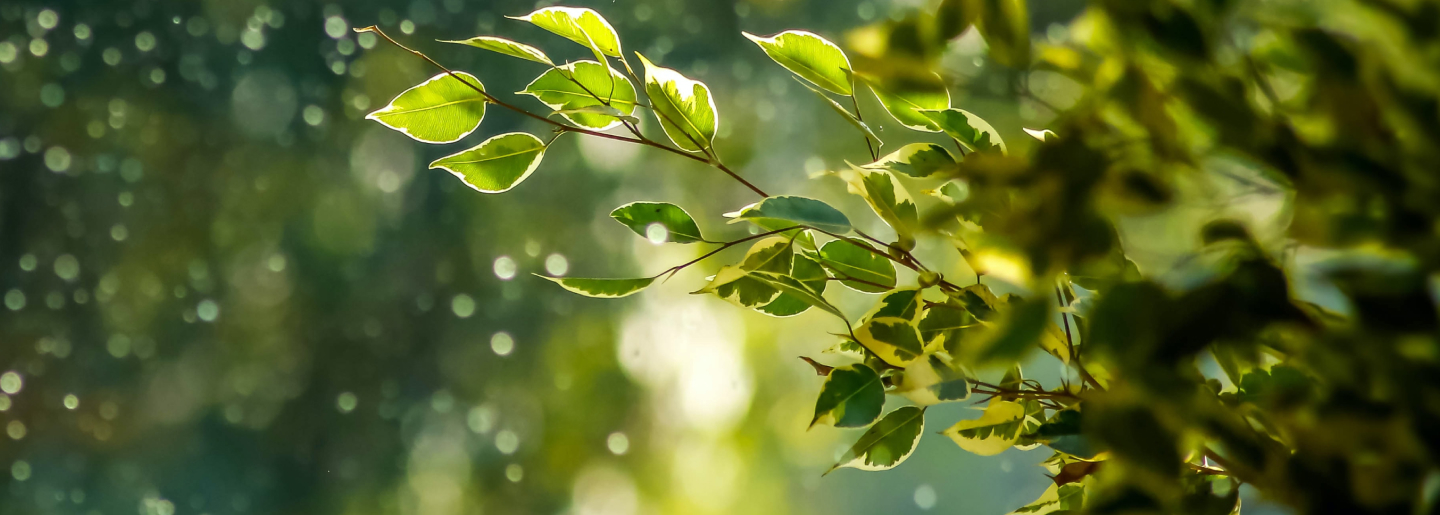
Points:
x=786 y=210
x=1041 y=135
x=851 y=397
x=602 y=288
x=973 y=132
x=888 y=198
x=583 y=26
x=685 y=108
x=497 y=164
x=849 y=259
x=440 y=110
x=905 y=99
x=917 y=160
x=811 y=57
x=507 y=47
x=679 y=226
x=887 y=443
x=587 y=93
x=993 y=432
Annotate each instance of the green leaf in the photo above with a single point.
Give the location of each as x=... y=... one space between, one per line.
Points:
x=851 y=397
x=894 y=340
x=807 y=273
x=440 y=110
x=602 y=288
x=904 y=100
x=580 y=25
x=993 y=432
x=952 y=192
x=582 y=91
x=1056 y=498
x=904 y=304
x=941 y=326
x=734 y=283
x=917 y=160
x=887 y=443
x=497 y=164
x=684 y=107
x=844 y=113
x=1063 y=433
x=973 y=132
x=848 y=258
x=811 y=57
x=786 y=210
x=678 y=226
x=889 y=199
x=932 y=381
x=794 y=289
x=507 y=47
x=1005 y=25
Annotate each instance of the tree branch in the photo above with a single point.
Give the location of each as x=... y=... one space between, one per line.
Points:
x=707 y=159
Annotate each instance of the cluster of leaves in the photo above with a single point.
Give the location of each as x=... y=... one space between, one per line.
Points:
x=1319 y=410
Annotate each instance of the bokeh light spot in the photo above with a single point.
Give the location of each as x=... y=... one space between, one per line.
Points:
x=502 y=343
x=618 y=443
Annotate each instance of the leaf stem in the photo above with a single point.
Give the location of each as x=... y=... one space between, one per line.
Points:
x=566 y=127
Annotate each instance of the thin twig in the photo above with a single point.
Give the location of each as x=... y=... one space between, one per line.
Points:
x=707 y=159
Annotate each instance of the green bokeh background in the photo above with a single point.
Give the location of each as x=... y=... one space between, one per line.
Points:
x=262 y=303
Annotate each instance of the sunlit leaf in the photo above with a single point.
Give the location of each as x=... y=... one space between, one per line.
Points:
x=889 y=199
x=804 y=272
x=993 y=432
x=582 y=91
x=497 y=164
x=933 y=380
x=851 y=397
x=685 y=109
x=917 y=160
x=1056 y=498
x=602 y=288
x=640 y=216
x=973 y=132
x=507 y=47
x=859 y=269
x=811 y=57
x=1041 y=135
x=787 y=210
x=440 y=110
x=905 y=99
x=892 y=339
x=580 y=25
x=887 y=443
x=734 y=283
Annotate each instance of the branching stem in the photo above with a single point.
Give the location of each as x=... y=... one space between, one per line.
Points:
x=641 y=140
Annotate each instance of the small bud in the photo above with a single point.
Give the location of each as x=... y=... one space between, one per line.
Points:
x=928 y=279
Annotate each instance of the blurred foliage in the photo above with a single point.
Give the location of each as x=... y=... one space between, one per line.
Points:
x=227 y=293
